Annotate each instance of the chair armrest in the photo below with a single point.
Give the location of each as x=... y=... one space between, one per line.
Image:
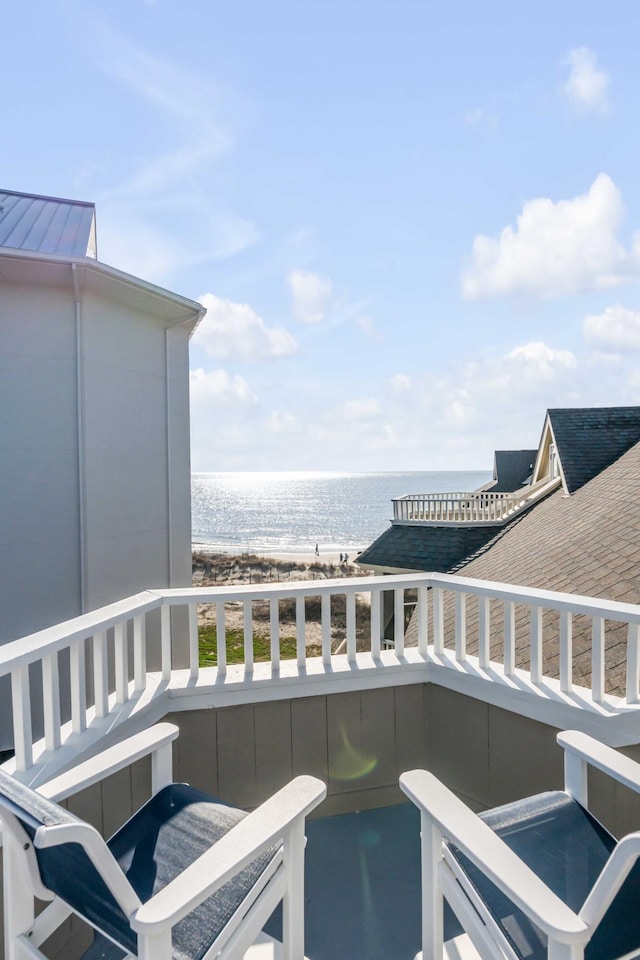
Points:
x=243 y=843
x=612 y=876
x=110 y=761
x=601 y=756
x=491 y=855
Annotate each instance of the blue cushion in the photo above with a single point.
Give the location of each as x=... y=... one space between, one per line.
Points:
x=65 y=869
x=166 y=835
x=567 y=848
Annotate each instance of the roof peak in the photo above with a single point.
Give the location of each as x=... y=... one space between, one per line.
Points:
x=34 y=223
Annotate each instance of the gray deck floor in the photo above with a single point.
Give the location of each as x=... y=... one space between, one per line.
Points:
x=362 y=886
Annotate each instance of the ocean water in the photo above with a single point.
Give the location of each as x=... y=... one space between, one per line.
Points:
x=291 y=512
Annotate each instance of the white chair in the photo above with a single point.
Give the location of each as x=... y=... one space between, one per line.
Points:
x=186 y=878
x=533 y=879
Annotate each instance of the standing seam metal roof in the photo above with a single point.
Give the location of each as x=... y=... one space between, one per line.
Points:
x=47 y=225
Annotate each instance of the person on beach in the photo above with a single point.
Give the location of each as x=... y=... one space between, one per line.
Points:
x=340 y=558
x=317 y=551
x=346 y=558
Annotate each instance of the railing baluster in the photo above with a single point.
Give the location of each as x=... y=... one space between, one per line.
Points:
x=438 y=620
x=566 y=651
x=51 y=700
x=484 y=650
x=536 y=644
x=509 y=638
x=139 y=653
x=633 y=662
x=100 y=674
x=194 y=646
x=461 y=627
x=301 y=640
x=247 y=608
x=165 y=640
x=597 y=659
x=351 y=627
x=274 y=628
x=398 y=620
x=325 y=618
x=121 y=648
x=78 y=687
x=375 y=623
x=221 y=638
x=422 y=610
x=21 y=703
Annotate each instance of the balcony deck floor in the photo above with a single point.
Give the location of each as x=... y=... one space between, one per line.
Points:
x=362 y=886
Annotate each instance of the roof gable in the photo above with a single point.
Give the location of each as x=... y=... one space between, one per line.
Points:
x=590 y=439
x=47 y=225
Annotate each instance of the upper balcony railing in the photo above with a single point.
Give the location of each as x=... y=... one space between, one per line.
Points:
x=457 y=507
x=498 y=642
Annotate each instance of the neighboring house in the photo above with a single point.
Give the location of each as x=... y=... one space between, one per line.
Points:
x=512 y=469
x=94 y=421
x=579 y=534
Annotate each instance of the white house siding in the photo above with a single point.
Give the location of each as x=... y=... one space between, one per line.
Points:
x=39 y=519
x=95 y=500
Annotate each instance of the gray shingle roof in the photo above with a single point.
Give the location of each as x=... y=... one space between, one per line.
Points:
x=415 y=547
x=589 y=439
x=587 y=544
x=47 y=225
x=512 y=468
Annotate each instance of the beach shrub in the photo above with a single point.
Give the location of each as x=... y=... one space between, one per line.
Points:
x=208 y=657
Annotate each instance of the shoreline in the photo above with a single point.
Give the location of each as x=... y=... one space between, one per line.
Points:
x=325 y=555
x=218 y=569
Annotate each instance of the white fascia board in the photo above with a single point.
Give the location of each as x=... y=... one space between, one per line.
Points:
x=183 y=309
x=536 y=466
x=546 y=438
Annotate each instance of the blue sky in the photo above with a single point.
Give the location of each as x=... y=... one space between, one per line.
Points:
x=415 y=225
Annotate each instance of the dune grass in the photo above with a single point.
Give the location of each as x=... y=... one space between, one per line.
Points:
x=235 y=647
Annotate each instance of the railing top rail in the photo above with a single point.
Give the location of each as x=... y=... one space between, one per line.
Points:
x=533 y=596
x=308 y=588
x=459 y=495
x=51 y=639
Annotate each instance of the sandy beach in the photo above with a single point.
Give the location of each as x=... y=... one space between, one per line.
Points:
x=221 y=569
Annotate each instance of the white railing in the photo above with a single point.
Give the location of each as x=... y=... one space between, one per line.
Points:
x=461 y=628
x=456 y=507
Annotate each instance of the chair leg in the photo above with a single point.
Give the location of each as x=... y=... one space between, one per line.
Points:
x=18 y=896
x=154 y=946
x=432 y=901
x=293 y=900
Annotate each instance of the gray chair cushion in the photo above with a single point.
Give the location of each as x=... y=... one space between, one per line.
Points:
x=166 y=835
x=567 y=848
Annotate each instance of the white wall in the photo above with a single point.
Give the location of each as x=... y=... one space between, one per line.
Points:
x=95 y=489
x=39 y=520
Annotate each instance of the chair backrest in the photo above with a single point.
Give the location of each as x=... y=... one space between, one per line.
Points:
x=64 y=868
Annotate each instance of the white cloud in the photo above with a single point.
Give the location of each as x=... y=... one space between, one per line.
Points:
x=540 y=362
x=556 y=248
x=221 y=388
x=481 y=118
x=234 y=331
x=400 y=383
x=310 y=294
x=165 y=193
x=363 y=409
x=587 y=86
x=615 y=329
x=368 y=327
x=282 y=422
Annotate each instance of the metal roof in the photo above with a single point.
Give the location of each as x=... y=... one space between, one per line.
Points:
x=47 y=225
